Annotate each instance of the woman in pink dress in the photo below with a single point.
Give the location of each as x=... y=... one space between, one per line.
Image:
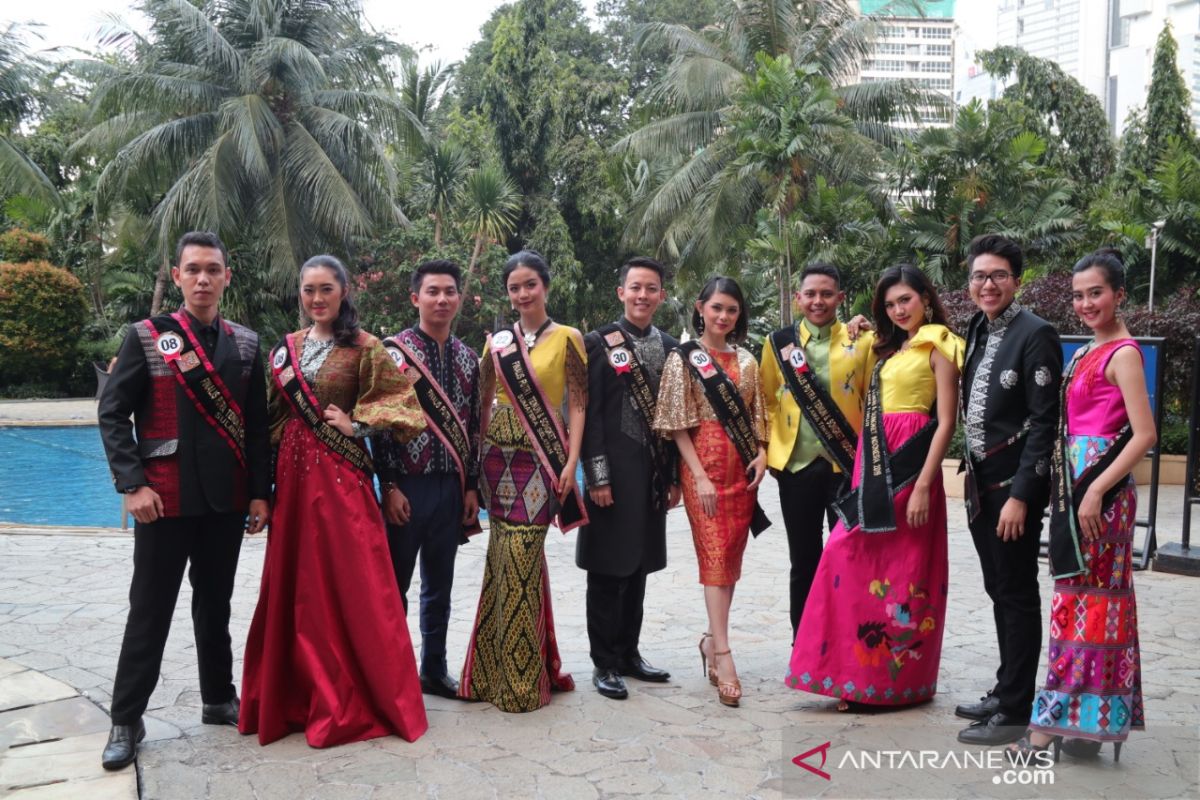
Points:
x=1093 y=690
x=871 y=633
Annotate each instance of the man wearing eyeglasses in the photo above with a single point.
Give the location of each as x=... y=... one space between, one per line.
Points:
x=1009 y=400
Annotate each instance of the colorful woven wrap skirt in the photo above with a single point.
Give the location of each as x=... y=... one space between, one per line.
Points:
x=873 y=623
x=512 y=660
x=1094 y=681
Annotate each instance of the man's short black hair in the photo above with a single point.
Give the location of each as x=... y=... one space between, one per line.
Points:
x=201 y=239
x=821 y=268
x=999 y=246
x=438 y=266
x=641 y=262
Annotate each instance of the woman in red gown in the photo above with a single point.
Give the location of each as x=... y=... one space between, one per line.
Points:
x=329 y=651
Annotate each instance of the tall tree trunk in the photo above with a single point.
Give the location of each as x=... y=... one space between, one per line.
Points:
x=475 y=254
x=160 y=286
x=785 y=279
x=437 y=229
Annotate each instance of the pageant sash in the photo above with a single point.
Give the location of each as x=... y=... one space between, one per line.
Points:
x=1066 y=555
x=871 y=505
x=285 y=368
x=623 y=359
x=514 y=370
x=440 y=416
x=730 y=410
x=828 y=422
x=189 y=363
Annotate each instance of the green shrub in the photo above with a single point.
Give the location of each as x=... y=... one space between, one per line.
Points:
x=18 y=246
x=42 y=313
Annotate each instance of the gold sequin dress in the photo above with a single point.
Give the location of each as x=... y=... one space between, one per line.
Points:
x=720 y=540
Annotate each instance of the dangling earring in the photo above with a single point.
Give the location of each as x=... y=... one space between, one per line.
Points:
x=929 y=313
x=700 y=327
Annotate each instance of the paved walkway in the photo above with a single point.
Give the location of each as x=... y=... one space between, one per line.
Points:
x=63 y=605
x=74 y=411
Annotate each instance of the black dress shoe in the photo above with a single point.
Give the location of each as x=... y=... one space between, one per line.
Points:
x=988 y=704
x=122 y=745
x=608 y=683
x=441 y=685
x=221 y=713
x=638 y=668
x=1000 y=728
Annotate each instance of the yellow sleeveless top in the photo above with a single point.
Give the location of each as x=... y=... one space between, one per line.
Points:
x=908 y=380
x=549 y=359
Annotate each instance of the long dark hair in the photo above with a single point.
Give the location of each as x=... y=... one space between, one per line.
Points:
x=345 y=327
x=889 y=338
x=722 y=285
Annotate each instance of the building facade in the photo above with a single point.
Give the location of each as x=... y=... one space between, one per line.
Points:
x=915 y=42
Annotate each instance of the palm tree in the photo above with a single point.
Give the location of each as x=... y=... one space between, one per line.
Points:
x=492 y=204
x=982 y=175
x=750 y=113
x=264 y=120
x=19 y=74
x=442 y=172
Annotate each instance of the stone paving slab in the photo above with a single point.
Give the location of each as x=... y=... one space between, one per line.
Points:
x=38 y=413
x=62 y=610
x=28 y=687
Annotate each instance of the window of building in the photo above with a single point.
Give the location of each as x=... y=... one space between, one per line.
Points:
x=935 y=33
x=1020 y=26
x=1112 y=101
x=890 y=49
x=937 y=50
x=935 y=66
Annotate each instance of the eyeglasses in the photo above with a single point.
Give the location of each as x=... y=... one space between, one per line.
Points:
x=998 y=278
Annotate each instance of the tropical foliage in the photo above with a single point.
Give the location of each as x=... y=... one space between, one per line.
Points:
x=727 y=136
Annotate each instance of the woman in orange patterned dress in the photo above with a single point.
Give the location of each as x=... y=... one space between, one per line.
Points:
x=719 y=491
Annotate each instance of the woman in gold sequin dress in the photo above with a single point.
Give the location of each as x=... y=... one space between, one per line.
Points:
x=512 y=659
x=719 y=491
x=329 y=652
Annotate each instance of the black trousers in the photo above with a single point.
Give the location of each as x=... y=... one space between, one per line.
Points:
x=433 y=532
x=805 y=498
x=614 y=618
x=1010 y=578
x=161 y=550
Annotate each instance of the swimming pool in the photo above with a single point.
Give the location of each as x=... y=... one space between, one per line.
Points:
x=56 y=476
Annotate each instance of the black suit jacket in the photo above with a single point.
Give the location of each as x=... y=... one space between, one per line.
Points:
x=208 y=467
x=1021 y=391
x=630 y=534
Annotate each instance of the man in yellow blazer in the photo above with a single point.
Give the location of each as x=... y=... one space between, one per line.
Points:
x=814 y=377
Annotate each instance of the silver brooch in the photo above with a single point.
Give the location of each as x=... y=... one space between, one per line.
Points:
x=1042 y=376
x=1008 y=378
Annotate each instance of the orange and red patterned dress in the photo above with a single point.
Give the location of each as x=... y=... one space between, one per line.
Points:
x=682 y=405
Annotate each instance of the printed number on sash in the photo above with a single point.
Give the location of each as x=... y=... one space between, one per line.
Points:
x=169 y=344
x=620 y=359
x=280 y=358
x=797 y=360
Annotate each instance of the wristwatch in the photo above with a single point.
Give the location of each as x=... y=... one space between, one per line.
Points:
x=132 y=489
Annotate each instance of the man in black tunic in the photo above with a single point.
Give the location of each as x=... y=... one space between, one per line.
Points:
x=1009 y=400
x=631 y=479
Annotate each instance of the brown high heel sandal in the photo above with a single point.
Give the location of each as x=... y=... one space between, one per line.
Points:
x=728 y=692
x=704 y=665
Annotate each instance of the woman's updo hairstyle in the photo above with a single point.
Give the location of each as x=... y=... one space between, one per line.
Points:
x=345 y=327
x=527 y=258
x=1109 y=261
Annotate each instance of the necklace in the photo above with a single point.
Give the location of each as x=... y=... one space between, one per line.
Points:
x=531 y=338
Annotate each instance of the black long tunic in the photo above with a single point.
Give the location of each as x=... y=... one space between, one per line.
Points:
x=630 y=534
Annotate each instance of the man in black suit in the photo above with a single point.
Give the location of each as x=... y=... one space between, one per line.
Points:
x=192 y=460
x=1009 y=397
x=630 y=476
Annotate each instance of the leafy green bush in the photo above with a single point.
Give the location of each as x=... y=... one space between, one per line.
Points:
x=42 y=313
x=18 y=245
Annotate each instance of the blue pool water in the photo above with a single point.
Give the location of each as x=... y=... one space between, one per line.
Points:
x=56 y=476
x=59 y=476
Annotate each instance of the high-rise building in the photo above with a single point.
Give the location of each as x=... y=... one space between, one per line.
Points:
x=1106 y=45
x=915 y=42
